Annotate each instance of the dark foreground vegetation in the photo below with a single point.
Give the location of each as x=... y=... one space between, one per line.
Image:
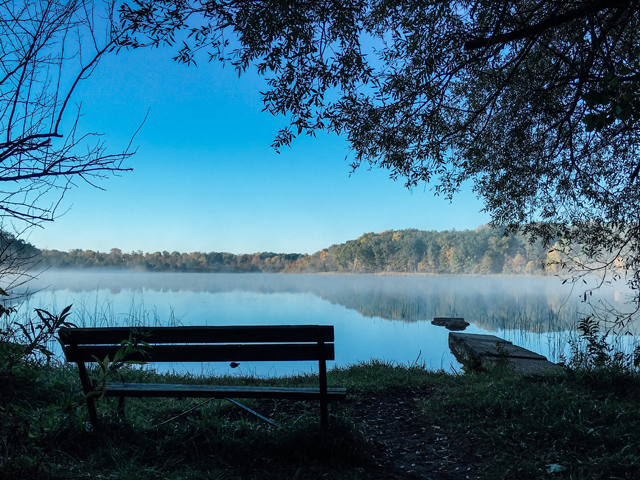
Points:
x=398 y=422
x=482 y=251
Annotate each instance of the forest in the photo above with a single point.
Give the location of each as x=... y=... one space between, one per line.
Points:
x=483 y=251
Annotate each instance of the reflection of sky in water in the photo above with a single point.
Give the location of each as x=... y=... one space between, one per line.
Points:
x=387 y=318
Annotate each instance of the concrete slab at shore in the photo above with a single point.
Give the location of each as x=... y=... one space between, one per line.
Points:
x=480 y=351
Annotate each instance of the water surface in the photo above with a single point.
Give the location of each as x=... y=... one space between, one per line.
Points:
x=382 y=317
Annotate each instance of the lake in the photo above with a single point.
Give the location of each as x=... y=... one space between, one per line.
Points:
x=382 y=317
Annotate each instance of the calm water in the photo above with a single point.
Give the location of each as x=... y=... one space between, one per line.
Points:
x=382 y=317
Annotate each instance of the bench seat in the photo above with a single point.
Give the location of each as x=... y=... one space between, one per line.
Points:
x=115 y=389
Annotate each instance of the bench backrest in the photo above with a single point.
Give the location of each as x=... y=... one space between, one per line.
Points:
x=204 y=343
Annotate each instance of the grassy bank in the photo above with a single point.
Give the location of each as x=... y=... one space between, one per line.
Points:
x=578 y=425
x=575 y=425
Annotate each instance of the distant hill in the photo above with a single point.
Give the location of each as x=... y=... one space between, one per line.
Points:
x=483 y=251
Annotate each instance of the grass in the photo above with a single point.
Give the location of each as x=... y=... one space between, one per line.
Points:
x=586 y=422
x=42 y=434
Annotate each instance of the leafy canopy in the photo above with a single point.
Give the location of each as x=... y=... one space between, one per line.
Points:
x=537 y=103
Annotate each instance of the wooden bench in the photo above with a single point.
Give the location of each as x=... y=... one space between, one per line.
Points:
x=206 y=344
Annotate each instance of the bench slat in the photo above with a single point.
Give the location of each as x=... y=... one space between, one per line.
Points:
x=210 y=353
x=201 y=334
x=218 y=391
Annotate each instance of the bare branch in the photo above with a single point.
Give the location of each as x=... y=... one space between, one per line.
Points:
x=42 y=62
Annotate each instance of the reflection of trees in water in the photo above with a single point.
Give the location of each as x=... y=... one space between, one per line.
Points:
x=533 y=305
x=497 y=312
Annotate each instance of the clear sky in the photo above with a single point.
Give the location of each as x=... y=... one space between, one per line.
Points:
x=206 y=179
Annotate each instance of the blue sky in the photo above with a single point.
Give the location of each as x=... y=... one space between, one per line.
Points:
x=206 y=179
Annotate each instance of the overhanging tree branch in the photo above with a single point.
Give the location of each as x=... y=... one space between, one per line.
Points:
x=547 y=130
x=548 y=23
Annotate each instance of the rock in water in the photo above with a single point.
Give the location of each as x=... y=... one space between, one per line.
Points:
x=455 y=324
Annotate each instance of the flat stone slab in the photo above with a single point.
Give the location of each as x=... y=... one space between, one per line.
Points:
x=476 y=351
x=450 y=323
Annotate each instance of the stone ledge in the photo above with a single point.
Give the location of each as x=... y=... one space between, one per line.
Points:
x=476 y=351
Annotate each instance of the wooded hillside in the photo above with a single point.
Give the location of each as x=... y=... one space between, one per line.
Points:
x=482 y=251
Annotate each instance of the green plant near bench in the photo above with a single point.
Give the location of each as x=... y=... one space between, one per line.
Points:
x=113 y=346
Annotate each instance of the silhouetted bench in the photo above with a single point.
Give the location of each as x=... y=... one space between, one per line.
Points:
x=206 y=344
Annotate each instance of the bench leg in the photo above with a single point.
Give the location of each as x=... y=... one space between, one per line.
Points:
x=88 y=387
x=93 y=414
x=324 y=408
x=121 y=407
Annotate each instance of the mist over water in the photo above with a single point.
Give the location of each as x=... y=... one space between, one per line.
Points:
x=383 y=317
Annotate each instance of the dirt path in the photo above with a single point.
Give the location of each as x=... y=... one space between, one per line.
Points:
x=406 y=447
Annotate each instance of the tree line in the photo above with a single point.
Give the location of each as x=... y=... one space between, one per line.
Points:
x=483 y=251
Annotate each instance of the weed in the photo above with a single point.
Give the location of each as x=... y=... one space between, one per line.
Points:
x=596 y=351
x=28 y=341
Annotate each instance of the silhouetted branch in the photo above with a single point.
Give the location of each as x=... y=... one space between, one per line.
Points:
x=47 y=49
x=546 y=24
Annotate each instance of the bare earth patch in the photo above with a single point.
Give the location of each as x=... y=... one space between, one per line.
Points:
x=406 y=448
